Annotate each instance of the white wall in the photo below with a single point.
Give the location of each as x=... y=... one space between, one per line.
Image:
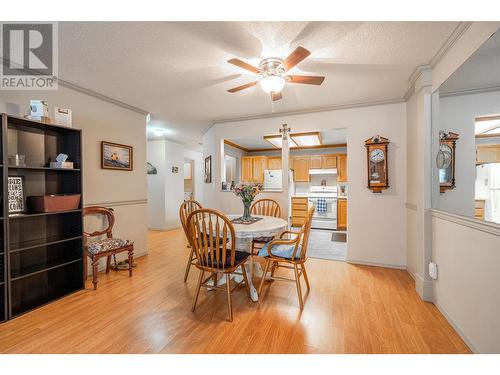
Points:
x=157 y=218
x=468 y=287
x=166 y=192
x=467 y=250
x=376 y=221
x=125 y=191
x=457 y=114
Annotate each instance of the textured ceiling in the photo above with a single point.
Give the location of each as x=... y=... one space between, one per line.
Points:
x=178 y=72
x=481 y=70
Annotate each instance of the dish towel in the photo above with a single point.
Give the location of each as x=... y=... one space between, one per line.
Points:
x=321 y=205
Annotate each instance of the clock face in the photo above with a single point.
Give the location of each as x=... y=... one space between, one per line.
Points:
x=443 y=158
x=377 y=155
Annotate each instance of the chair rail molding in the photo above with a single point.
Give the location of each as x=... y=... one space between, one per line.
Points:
x=118 y=203
x=483 y=226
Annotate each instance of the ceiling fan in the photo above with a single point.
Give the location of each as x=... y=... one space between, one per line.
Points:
x=272 y=72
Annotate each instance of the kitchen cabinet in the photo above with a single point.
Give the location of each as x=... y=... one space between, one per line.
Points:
x=301 y=165
x=342 y=213
x=246 y=169
x=259 y=165
x=329 y=161
x=252 y=168
x=479 y=209
x=299 y=211
x=316 y=162
x=342 y=168
x=274 y=162
x=488 y=154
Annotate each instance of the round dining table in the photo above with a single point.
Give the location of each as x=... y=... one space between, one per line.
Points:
x=267 y=226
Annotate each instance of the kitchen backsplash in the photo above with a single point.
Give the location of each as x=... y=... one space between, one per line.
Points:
x=303 y=187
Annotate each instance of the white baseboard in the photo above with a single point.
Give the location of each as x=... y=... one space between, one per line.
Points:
x=410 y=273
x=456 y=328
x=424 y=288
x=375 y=264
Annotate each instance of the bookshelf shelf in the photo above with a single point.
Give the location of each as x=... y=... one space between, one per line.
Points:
x=41 y=254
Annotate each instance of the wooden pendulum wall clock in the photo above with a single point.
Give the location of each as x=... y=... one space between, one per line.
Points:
x=376 y=154
x=445 y=160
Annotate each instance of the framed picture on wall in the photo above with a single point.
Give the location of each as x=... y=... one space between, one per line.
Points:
x=16 y=193
x=116 y=156
x=208 y=169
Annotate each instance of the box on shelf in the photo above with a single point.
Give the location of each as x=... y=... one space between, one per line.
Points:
x=61 y=164
x=62 y=116
x=52 y=203
x=38 y=108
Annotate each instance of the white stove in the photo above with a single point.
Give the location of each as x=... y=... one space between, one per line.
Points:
x=324 y=201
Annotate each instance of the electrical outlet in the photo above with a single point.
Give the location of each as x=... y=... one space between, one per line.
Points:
x=433 y=270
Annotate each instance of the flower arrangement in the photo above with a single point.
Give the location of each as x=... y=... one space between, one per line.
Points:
x=247 y=192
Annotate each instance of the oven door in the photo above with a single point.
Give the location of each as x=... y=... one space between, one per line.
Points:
x=325 y=213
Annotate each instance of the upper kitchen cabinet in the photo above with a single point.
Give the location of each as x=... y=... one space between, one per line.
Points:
x=316 y=162
x=246 y=169
x=259 y=165
x=301 y=165
x=328 y=161
x=274 y=162
x=342 y=168
x=252 y=168
x=487 y=154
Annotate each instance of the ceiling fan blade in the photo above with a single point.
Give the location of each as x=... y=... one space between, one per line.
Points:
x=242 y=87
x=309 y=80
x=243 y=65
x=276 y=96
x=295 y=57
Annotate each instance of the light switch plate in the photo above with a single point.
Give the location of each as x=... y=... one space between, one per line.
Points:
x=433 y=270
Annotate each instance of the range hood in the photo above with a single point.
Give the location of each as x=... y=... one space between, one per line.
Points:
x=323 y=171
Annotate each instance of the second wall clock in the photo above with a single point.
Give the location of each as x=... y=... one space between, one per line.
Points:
x=376 y=155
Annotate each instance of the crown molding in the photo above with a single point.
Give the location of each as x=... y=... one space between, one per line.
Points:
x=102 y=97
x=470 y=91
x=420 y=70
x=235 y=145
x=311 y=110
x=461 y=28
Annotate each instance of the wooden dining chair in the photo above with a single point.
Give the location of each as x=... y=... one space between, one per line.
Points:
x=288 y=253
x=264 y=207
x=212 y=237
x=106 y=247
x=185 y=209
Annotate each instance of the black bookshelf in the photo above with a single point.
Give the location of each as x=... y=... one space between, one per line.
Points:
x=41 y=254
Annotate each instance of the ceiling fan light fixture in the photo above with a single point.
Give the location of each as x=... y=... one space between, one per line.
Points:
x=272 y=83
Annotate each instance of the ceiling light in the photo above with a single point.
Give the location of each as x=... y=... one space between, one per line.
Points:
x=306 y=139
x=487 y=126
x=277 y=141
x=272 y=83
x=159 y=132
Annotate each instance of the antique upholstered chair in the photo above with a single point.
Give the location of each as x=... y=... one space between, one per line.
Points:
x=212 y=237
x=289 y=253
x=186 y=208
x=104 y=247
x=264 y=207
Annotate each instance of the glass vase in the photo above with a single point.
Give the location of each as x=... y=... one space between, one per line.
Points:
x=246 y=210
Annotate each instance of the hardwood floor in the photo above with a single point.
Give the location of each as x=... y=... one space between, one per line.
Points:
x=350 y=309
